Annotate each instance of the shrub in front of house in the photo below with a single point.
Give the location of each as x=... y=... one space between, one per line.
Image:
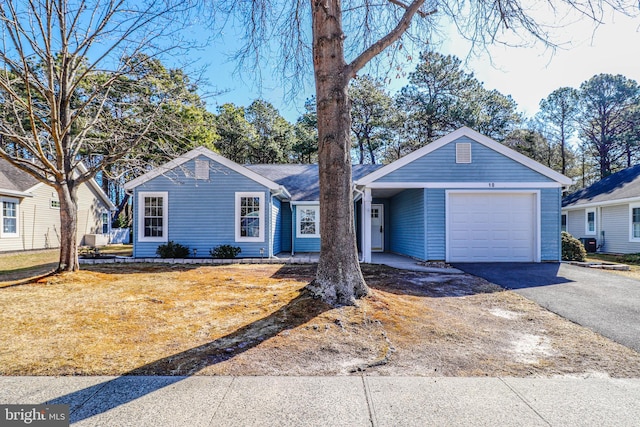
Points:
x=225 y=252
x=172 y=250
x=572 y=248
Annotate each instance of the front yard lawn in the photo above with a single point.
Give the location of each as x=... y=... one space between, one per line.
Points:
x=257 y=320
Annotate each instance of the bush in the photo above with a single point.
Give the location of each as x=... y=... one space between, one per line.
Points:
x=572 y=248
x=172 y=250
x=225 y=252
x=631 y=258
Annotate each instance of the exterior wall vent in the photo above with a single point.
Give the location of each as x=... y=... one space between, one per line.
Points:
x=463 y=152
x=202 y=169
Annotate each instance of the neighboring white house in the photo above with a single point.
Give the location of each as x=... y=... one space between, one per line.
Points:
x=30 y=212
x=608 y=211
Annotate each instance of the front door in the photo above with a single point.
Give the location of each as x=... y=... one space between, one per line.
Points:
x=377 y=228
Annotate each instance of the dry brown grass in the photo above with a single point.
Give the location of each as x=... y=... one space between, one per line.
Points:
x=258 y=320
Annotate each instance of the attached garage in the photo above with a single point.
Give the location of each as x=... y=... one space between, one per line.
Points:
x=465 y=198
x=497 y=226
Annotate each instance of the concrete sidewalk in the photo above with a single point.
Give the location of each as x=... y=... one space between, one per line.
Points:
x=332 y=401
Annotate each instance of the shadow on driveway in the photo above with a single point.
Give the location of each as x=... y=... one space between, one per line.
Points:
x=516 y=275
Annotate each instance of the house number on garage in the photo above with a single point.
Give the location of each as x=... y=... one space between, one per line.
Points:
x=492 y=184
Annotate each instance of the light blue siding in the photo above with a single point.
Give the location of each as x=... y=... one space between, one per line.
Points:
x=303 y=244
x=487 y=166
x=436 y=224
x=202 y=212
x=407 y=223
x=550 y=203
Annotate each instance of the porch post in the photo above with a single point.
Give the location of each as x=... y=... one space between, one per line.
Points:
x=366 y=225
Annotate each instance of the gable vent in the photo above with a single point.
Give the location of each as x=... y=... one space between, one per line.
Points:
x=463 y=152
x=202 y=169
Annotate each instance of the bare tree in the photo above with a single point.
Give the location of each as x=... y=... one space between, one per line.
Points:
x=343 y=38
x=65 y=69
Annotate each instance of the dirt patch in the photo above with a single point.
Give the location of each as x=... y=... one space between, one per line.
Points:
x=259 y=320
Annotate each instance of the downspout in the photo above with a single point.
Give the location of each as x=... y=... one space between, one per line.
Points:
x=355 y=199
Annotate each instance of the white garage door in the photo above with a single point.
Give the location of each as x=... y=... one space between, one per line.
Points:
x=491 y=227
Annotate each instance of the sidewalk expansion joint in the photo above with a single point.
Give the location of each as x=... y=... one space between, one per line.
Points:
x=525 y=401
x=369 y=399
x=215 y=412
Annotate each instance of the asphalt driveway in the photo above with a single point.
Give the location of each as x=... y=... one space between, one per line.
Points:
x=602 y=301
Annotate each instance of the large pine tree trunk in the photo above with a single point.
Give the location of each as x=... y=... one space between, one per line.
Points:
x=338 y=279
x=69 y=228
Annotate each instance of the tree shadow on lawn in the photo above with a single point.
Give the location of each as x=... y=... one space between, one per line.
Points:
x=423 y=284
x=125 y=388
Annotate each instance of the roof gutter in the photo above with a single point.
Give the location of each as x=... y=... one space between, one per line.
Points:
x=14 y=193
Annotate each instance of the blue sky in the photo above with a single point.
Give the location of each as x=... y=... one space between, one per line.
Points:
x=527 y=74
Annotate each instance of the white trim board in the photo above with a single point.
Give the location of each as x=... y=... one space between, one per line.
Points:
x=603 y=203
x=461 y=185
x=477 y=137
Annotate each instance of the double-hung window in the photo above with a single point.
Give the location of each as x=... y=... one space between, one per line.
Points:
x=308 y=221
x=563 y=222
x=153 y=216
x=590 y=222
x=249 y=217
x=9 y=217
x=634 y=213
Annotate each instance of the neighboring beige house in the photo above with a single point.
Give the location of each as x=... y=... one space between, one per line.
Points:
x=30 y=212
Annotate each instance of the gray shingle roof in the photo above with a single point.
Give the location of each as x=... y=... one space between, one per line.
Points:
x=302 y=181
x=620 y=185
x=13 y=179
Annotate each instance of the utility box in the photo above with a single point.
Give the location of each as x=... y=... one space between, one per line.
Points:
x=95 y=240
x=590 y=244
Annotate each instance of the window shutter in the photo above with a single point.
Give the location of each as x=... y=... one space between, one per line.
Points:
x=463 y=152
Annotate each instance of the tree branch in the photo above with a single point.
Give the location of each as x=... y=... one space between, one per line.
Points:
x=405 y=21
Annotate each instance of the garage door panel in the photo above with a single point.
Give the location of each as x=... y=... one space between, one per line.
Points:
x=486 y=227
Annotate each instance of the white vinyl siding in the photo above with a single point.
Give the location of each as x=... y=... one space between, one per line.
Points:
x=154 y=216
x=249 y=217
x=308 y=221
x=9 y=214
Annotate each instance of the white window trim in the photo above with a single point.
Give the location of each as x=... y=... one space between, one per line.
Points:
x=632 y=206
x=236 y=218
x=586 y=222
x=165 y=216
x=17 y=202
x=299 y=217
x=102 y=213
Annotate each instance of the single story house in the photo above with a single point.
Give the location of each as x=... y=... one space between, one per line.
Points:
x=30 y=212
x=608 y=211
x=461 y=198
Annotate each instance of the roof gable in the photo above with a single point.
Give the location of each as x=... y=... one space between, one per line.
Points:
x=201 y=151
x=618 y=186
x=475 y=136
